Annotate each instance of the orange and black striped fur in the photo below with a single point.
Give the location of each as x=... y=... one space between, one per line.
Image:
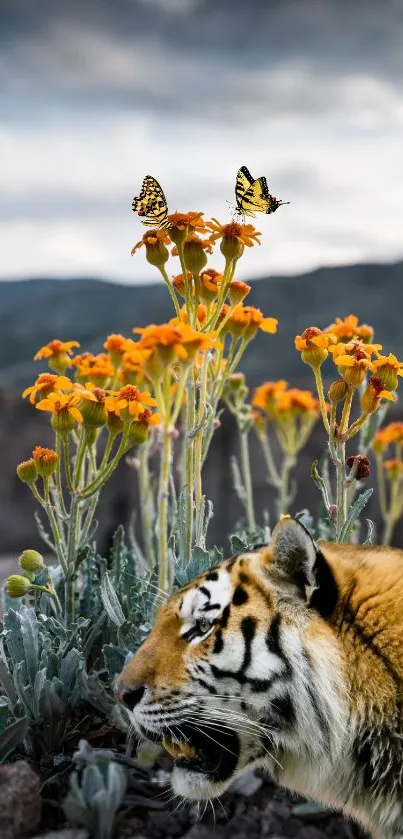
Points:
x=288 y=657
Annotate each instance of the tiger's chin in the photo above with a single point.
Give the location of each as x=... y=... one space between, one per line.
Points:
x=206 y=759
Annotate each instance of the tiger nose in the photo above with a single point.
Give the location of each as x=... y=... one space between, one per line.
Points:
x=130 y=697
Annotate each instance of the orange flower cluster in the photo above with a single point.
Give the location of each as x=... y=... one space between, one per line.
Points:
x=348 y=329
x=278 y=401
x=392 y=433
x=85 y=401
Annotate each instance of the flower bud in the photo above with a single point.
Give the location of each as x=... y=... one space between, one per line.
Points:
x=26 y=471
x=231 y=245
x=238 y=291
x=194 y=255
x=45 y=460
x=362 y=466
x=94 y=413
x=17 y=586
x=337 y=391
x=156 y=252
x=114 y=424
x=62 y=422
x=31 y=561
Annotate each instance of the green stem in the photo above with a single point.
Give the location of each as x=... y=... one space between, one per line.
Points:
x=59 y=482
x=198 y=450
x=189 y=449
x=163 y=494
x=247 y=478
x=283 y=499
x=188 y=295
x=321 y=395
x=104 y=476
x=88 y=520
x=171 y=291
x=381 y=483
x=341 y=490
x=72 y=543
x=79 y=459
x=65 y=441
x=58 y=536
x=388 y=529
x=146 y=504
x=274 y=477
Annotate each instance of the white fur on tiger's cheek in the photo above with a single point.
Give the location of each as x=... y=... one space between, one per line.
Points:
x=206 y=600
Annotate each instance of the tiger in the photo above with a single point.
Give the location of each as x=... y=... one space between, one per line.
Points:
x=287 y=657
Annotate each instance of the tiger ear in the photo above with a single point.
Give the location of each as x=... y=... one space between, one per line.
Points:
x=294 y=552
x=301 y=561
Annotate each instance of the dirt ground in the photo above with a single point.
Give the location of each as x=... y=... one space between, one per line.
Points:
x=268 y=812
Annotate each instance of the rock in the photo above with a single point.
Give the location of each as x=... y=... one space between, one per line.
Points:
x=67 y=833
x=20 y=803
x=247 y=784
x=198 y=831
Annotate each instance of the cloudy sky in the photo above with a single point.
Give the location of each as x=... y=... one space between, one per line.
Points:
x=94 y=94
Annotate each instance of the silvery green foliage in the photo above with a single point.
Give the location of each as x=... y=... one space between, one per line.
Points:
x=200 y=562
x=11 y=736
x=42 y=672
x=46 y=670
x=97 y=789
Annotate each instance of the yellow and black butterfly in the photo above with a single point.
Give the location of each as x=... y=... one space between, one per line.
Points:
x=253 y=196
x=151 y=203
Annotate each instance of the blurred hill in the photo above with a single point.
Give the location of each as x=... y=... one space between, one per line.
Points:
x=32 y=312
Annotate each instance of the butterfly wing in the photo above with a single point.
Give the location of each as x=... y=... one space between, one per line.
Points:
x=256 y=198
x=243 y=181
x=151 y=203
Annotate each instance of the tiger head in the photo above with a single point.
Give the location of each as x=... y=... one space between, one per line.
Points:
x=241 y=668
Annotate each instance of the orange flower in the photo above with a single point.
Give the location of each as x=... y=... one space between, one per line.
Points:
x=92 y=404
x=347 y=329
x=201 y=316
x=57 y=352
x=265 y=395
x=353 y=361
x=128 y=402
x=150 y=238
x=178 y=283
x=174 y=341
x=181 y=224
x=297 y=402
x=131 y=370
x=115 y=345
x=393 y=468
x=64 y=410
x=387 y=369
x=246 y=320
x=234 y=236
x=392 y=433
x=46 y=383
x=313 y=345
x=210 y=281
x=155 y=242
x=139 y=428
x=45 y=460
x=373 y=394
x=238 y=291
x=97 y=369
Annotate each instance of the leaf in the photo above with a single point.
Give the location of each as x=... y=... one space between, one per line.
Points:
x=371 y=534
x=12 y=736
x=237 y=480
x=6 y=680
x=29 y=630
x=237 y=545
x=114 y=659
x=354 y=514
x=110 y=602
x=4 y=712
